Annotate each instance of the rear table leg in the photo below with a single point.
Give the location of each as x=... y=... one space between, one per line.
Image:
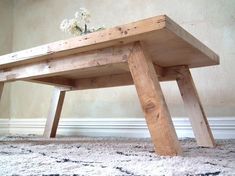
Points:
x=54 y=113
x=153 y=103
x=195 y=110
x=1 y=89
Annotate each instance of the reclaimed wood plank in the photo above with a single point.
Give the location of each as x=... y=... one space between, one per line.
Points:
x=195 y=110
x=93 y=60
x=189 y=38
x=153 y=103
x=158 y=34
x=123 y=79
x=56 y=81
x=1 y=89
x=109 y=37
x=54 y=112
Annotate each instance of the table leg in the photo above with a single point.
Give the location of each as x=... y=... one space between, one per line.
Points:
x=195 y=110
x=153 y=103
x=1 y=89
x=54 y=113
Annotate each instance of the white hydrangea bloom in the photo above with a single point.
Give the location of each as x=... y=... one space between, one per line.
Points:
x=76 y=15
x=74 y=27
x=85 y=15
x=78 y=24
x=73 y=22
x=64 y=25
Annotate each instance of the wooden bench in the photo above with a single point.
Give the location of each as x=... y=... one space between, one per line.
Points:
x=142 y=53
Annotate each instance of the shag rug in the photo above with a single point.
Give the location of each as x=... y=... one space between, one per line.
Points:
x=32 y=155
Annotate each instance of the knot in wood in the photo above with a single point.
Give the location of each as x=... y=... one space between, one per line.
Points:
x=149 y=106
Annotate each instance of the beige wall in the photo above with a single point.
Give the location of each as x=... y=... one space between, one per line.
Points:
x=6 y=25
x=213 y=22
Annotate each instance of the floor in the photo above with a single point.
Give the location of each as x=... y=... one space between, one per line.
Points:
x=32 y=155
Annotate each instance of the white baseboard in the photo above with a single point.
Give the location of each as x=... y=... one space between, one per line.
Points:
x=4 y=126
x=222 y=128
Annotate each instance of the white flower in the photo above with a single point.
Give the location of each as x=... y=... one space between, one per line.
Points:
x=73 y=22
x=85 y=15
x=78 y=24
x=71 y=26
x=74 y=27
x=76 y=15
x=64 y=25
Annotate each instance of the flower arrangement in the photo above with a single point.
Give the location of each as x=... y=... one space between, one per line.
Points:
x=79 y=24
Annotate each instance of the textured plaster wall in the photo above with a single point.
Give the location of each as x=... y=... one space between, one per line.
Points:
x=6 y=25
x=213 y=22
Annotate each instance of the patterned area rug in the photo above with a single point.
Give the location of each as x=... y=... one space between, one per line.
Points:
x=32 y=155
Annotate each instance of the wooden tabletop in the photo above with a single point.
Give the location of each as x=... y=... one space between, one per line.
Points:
x=168 y=43
x=105 y=52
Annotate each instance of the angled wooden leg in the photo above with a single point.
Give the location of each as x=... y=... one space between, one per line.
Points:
x=195 y=110
x=1 y=89
x=54 y=113
x=153 y=103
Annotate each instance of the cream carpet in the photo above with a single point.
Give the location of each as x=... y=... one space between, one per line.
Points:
x=32 y=155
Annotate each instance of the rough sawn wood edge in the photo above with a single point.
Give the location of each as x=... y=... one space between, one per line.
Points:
x=186 y=36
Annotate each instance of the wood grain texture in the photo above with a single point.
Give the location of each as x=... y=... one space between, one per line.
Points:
x=195 y=110
x=56 y=81
x=1 y=89
x=186 y=36
x=153 y=103
x=109 y=37
x=84 y=64
x=158 y=35
x=54 y=112
x=71 y=82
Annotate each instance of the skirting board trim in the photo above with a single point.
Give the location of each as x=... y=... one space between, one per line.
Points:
x=222 y=128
